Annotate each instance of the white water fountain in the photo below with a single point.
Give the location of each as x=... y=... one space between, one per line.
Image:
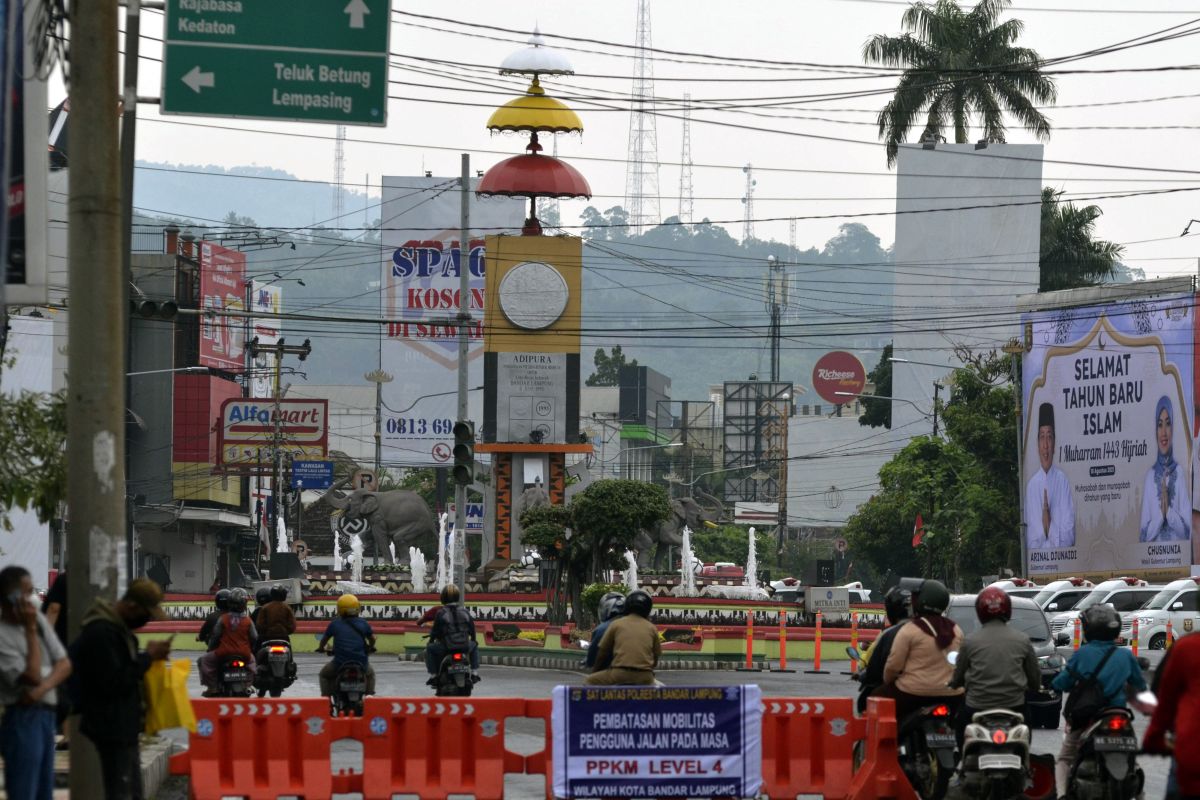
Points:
x=441 y=578
x=337 y=549
x=416 y=565
x=392 y=550
x=356 y=552
x=630 y=575
x=687 y=565
x=751 y=579
x=281 y=542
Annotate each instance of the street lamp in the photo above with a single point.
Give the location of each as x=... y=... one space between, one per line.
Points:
x=923 y=413
x=922 y=363
x=379 y=378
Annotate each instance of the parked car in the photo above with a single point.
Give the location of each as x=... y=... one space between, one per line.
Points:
x=1178 y=601
x=1017 y=587
x=1123 y=594
x=1044 y=704
x=1057 y=597
x=722 y=569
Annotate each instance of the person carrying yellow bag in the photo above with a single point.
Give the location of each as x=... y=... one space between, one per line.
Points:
x=167 y=701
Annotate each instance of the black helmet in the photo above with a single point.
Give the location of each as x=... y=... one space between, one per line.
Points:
x=638 y=602
x=611 y=605
x=279 y=592
x=450 y=594
x=1101 y=623
x=896 y=604
x=262 y=596
x=237 y=599
x=222 y=600
x=932 y=598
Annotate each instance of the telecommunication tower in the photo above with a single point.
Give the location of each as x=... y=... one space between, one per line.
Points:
x=792 y=234
x=686 y=195
x=641 y=172
x=339 y=171
x=748 y=202
x=776 y=300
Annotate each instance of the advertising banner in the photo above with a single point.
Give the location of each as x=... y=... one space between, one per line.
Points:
x=1108 y=439
x=420 y=285
x=265 y=299
x=222 y=288
x=635 y=741
x=836 y=372
x=248 y=430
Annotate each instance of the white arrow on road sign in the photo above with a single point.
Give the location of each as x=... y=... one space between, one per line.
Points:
x=281 y=708
x=357 y=10
x=253 y=709
x=469 y=709
x=804 y=708
x=267 y=710
x=238 y=709
x=295 y=708
x=791 y=708
x=774 y=708
x=439 y=709
x=411 y=708
x=395 y=708
x=197 y=80
x=424 y=708
x=820 y=708
x=224 y=710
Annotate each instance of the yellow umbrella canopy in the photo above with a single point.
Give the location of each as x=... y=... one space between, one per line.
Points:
x=535 y=112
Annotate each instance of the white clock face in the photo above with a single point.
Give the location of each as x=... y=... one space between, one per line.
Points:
x=533 y=295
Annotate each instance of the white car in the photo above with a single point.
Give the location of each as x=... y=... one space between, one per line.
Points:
x=1059 y=596
x=1016 y=587
x=1123 y=594
x=1178 y=601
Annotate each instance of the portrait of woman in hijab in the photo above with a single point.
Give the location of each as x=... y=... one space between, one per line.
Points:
x=1166 y=508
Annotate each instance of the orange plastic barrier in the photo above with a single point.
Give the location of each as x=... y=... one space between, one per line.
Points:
x=879 y=775
x=808 y=745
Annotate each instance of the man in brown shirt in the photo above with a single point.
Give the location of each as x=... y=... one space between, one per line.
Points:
x=632 y=642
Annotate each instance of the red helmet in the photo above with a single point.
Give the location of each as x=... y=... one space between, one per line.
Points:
x=992 y=603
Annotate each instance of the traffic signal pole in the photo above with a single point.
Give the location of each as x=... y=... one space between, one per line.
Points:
x=464 y=320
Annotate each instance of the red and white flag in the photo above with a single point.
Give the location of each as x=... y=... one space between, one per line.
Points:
x=918 y=531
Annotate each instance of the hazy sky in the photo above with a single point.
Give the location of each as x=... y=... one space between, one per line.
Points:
x=827 y=32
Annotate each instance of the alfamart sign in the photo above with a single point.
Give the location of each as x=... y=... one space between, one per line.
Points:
x=249 y=430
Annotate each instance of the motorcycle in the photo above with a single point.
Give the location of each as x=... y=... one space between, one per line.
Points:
x=453 y=678
x=995 y=755
x=349 y=688
x=235 y=678
x=928 y=751
x=276 y=668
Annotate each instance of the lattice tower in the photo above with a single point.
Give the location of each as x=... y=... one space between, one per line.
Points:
x=339 y=171
x=686 y=194
x=748 y=202
x=641 y=172
x=792 y=236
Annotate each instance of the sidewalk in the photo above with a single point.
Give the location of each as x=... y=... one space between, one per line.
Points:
x=156 y=753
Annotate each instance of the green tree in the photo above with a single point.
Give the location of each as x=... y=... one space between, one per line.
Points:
x=606 y=518
x=608 y=367
x=33 y=438
x=879 y=412
x=960 y=65
x=1071 y=256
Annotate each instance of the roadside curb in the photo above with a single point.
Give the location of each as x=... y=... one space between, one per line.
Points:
x=573 y=662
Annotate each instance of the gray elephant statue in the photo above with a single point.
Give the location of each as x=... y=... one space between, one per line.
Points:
x=685 y=511
x=397 y=516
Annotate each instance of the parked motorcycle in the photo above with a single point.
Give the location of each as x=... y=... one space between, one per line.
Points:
x=234 y=678
x=995 y=755
x=276 y=668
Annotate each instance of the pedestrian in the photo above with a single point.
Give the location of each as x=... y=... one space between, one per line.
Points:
x=1175 y=726
x=630 y=646
x=32 y=663
x=110 y=682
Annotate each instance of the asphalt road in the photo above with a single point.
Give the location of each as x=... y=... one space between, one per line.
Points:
x=407 y=679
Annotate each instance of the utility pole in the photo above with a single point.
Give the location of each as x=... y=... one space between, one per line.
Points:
x=279 y=349
x=379 y=378
x=776 y=300
x=96 y=347
x=937 y=391
x=464 y=321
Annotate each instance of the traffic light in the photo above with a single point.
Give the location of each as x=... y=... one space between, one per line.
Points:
x=464 y=453
x=151 y=309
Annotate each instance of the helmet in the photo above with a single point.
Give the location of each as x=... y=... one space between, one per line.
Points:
x=279 y=592
x=450 y=594
x=993 y=603
x=638 y=602
x=237 y=600
x=932 y=598
x=262 y=596
x=611 y=605
x=897 y=603
x=348 y=605
x=1101 y=623
x=222 y=600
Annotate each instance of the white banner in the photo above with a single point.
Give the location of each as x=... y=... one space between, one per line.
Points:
x=420 y=285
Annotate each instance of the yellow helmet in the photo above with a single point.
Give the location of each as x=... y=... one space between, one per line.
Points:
x=348 y=605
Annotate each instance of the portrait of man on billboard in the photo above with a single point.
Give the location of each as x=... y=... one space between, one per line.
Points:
x=1049 y=507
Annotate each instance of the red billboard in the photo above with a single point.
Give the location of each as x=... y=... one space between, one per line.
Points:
x=836 y=372
x=222 y=288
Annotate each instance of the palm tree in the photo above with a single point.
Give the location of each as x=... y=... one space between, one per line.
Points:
x=1070 y=256
x=959 y=65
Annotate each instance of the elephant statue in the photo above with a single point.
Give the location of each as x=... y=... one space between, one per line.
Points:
x=685 y=511
x=398 y=516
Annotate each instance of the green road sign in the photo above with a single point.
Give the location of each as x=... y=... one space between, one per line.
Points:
x=306 y=60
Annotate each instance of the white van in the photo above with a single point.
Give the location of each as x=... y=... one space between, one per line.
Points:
x=1178 y=601
x=1016 y=587
x=1123 y=594
x=1059 y=596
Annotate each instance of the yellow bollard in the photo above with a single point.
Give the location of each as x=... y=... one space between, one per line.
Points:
x=1133 y=637
x=1075 y=637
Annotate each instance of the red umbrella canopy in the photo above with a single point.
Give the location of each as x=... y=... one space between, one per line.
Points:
x=534 y=176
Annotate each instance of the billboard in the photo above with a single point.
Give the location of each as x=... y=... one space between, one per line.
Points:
x=264 y=299
x=222 y=288
x=248 y=427
x=420 y=285
x=1108 y=444
x=838 y=371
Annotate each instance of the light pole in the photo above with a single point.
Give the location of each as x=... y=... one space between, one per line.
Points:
x=379 y=378
x=623 y=451
x=922 y=412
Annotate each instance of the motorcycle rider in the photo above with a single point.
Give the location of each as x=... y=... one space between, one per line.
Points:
x=917 y=668
x=1101 y=625
x=352 y=639
x=233 y=635
x=262 y=596
x=612 y=605
x=221 y=599
x=630 y=646
x=276 y=622
x=452 y=627
x=996 y=663
x=896 y=606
